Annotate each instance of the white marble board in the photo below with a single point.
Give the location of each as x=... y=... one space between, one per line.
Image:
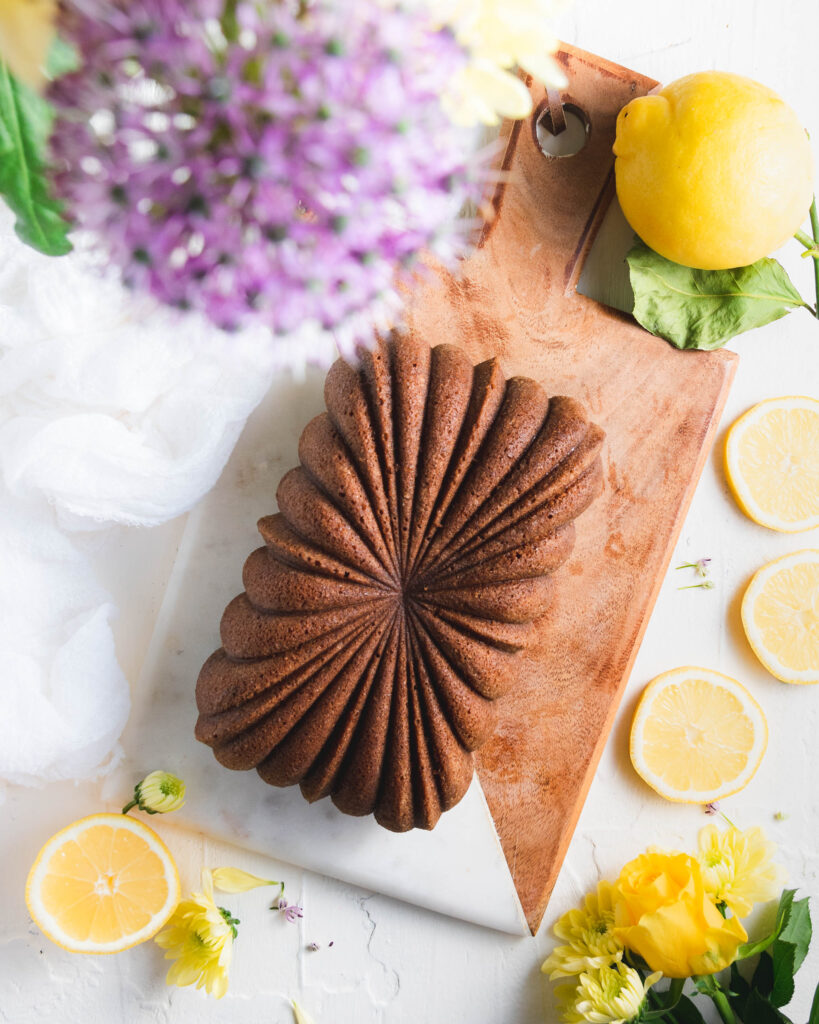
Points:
x=457 y=869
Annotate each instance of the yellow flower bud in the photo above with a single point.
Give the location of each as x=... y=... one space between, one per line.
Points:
x=663 y=913
x=158 y=793
x=235 y=880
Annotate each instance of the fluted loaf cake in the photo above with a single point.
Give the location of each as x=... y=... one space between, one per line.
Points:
x=412 y=551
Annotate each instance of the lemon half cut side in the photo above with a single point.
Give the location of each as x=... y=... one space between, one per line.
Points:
x=697 y=735
x=780 y=615
x=772 y=463
x=103 y=884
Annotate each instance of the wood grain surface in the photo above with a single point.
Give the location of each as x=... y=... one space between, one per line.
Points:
x=659 y=407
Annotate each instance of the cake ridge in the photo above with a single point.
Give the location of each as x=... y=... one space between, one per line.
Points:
x=404 y=572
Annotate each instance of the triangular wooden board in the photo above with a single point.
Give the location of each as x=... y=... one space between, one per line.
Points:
x=659 y=407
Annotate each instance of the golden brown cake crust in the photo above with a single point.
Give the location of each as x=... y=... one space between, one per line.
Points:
x=411 y=554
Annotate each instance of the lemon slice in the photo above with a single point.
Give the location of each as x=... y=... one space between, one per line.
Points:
x=102 y=884
x=780 y=613
x=772 y=463
x=697 y=735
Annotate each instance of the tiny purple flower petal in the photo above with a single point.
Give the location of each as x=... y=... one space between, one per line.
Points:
x=293 y=912
x=712 y=808
x=314 y=947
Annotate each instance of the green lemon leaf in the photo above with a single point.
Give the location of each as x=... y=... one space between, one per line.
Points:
x=702 y=309
x=25 y=121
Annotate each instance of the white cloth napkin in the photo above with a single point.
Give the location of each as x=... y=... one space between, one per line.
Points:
x=64 y=698
x=112 y=410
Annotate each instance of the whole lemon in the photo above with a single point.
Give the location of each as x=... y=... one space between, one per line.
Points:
x=714 y=171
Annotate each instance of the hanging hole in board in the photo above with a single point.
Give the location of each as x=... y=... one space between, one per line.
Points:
x=566 y=141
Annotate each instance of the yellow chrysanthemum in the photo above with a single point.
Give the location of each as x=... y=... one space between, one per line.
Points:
x=199 y=937
x=588 y=936
x=605 y=995
x=498 y=35
x=738 y=868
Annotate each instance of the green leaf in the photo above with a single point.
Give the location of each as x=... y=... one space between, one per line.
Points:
x=763 y=978
x=759 y=1011
x=24 y=125
x=814 y=1009
x=685 y=1012
x=702 y=309
x=790 y=948
x=664 y=1002
x=750 y=949
x=63 y=57
x=797 y=930
x=784 y=956
x=740 y=990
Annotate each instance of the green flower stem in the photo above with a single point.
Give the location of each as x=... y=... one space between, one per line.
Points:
x=723 y=1006
x=814 y=226
x=675 y=991
x=128 y=807
x=709 y=986
x=812 y=249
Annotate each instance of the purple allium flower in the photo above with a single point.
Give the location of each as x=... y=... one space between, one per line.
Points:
x=712 y=807
x=291 y=911
x=259 y=166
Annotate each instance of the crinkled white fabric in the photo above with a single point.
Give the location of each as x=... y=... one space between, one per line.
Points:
x=112 y=410
x=64 y=697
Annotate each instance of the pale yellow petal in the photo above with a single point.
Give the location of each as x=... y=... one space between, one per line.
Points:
x=235 y=880
x=500 y=90
x=465 y=107
x=544 y=68
x=300 y=1015
x=26 y=32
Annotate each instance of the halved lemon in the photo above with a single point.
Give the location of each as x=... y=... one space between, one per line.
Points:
x=772 y=463
x=697 y=735
x=780 y=613
x=103 y=884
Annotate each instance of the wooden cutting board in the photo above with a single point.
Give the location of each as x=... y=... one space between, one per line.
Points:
x=516 y=297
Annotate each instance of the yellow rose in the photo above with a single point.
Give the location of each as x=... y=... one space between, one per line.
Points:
x=663 y=913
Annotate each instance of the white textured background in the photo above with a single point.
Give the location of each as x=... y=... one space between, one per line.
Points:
x=393 y=963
